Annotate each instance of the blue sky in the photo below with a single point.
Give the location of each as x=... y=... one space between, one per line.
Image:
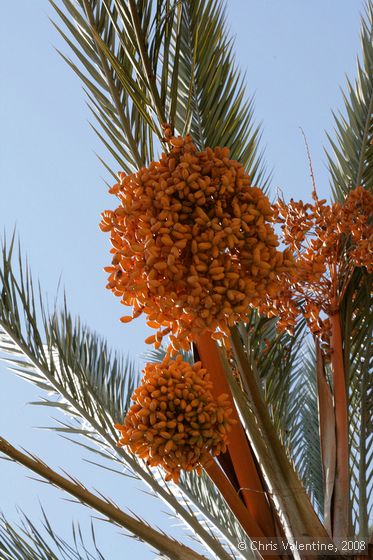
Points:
x=295 y=54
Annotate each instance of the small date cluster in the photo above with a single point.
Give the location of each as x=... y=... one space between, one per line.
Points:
x=175 y=422
x=328 y=243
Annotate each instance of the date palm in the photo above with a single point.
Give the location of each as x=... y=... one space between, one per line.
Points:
x=302 y=447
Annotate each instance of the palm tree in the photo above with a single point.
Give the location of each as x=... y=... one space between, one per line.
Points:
x=298 y=464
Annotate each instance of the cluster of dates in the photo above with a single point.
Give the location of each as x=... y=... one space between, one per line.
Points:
x=193 y=244
x=328 y=242
x=175 y=422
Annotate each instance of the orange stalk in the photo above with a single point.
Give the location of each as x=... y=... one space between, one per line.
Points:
x=341 y=496
x=241 y=455
x=242 y=514
x=245 y=518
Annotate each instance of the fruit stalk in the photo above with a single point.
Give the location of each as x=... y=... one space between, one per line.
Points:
x=250 y=483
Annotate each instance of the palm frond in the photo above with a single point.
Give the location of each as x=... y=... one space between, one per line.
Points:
x=213 y=104
x=157 y=539
x=119 y=101
x=288 y=379
x=299 y=516
x=305 y=435
x=357 y=316
x=351 y=160
x=78 y=362
x=27 y=541
x=147 y=63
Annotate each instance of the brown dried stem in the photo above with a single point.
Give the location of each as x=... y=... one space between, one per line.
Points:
x=167 y=546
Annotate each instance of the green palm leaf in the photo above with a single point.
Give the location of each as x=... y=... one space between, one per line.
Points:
x=157 y=539
x=351 y=160
x=120 y=110
x=357 y=313
x=26 y=541
x=145 y=66
x=287 y=375
x=213 y=104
